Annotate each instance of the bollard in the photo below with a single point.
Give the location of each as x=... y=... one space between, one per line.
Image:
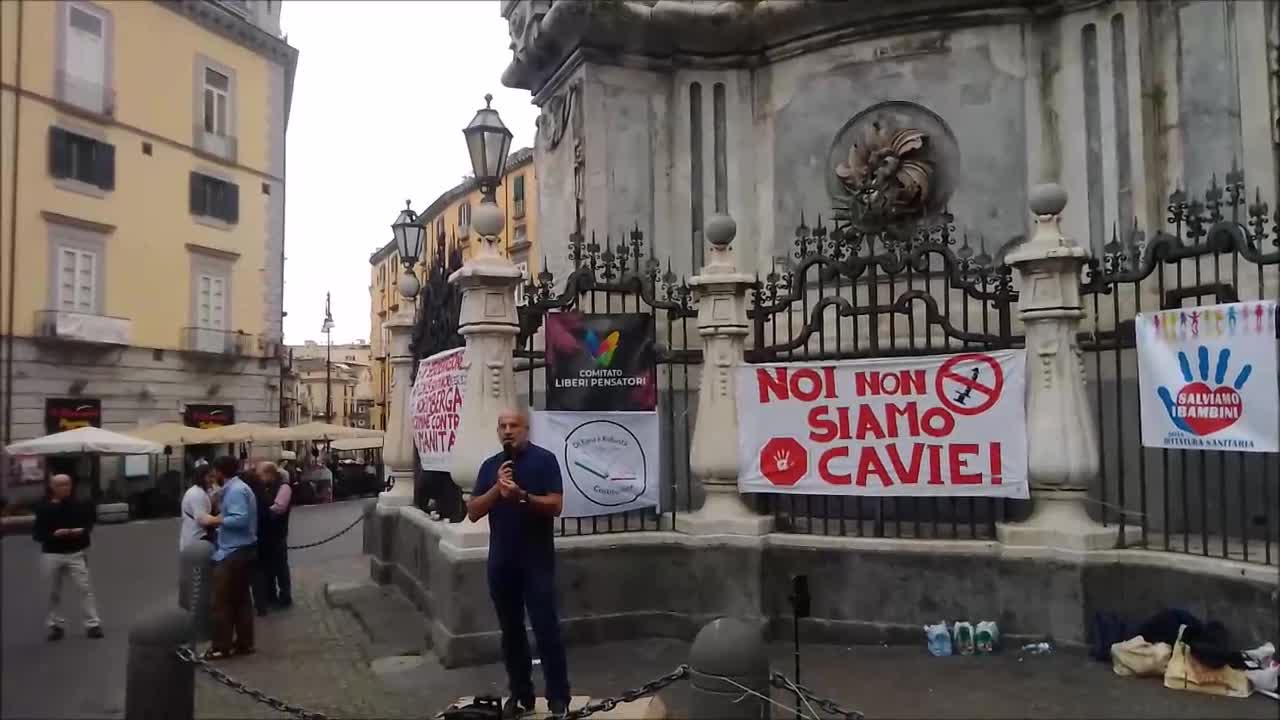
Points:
x=195 y=585
x=733 y=649
x=158 y=684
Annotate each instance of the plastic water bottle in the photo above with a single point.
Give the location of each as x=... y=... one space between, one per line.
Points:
x=1037 y=648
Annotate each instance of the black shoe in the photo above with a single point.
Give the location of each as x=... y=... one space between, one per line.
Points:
x=559 y=709
x=517 y=708
x=95 y=632
x=55 y=634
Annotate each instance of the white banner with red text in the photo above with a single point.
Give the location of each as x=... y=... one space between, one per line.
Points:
x=943 y=425
x=435 y=407
x=610 y=462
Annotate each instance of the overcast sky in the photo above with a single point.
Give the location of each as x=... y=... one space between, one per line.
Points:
x=382 y=92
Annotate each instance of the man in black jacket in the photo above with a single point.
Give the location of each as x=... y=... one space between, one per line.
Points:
x=62 y=528
x=275 y=498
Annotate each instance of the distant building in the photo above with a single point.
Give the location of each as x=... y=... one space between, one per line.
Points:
x=349 y=382
x=448 y=224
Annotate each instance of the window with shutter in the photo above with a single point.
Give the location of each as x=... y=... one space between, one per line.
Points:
x=517 y=197
x=217 y=102
x=77 y=280
x=81 y=158
x=211 y=197
x=523 y=267
x=86 y=57
x=212 y=313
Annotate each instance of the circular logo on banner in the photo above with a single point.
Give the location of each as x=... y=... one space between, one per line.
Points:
x=784 y=461
x=969 y=384
x=605 y=463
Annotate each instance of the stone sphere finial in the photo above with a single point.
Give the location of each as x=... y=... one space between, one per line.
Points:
x=486 y=219
x=720 y=230
x=1047 y=199
x=409 y=285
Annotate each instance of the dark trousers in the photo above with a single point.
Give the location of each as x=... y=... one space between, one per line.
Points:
x=513 y=589
x=272 y=578
x=232 y=609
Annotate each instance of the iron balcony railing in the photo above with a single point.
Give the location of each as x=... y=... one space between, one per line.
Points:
x=208 y=341
x=83 y=327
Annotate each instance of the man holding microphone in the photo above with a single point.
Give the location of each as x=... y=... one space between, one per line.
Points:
x=521 y=491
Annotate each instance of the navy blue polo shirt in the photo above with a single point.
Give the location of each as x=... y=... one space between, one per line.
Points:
x=518 y=534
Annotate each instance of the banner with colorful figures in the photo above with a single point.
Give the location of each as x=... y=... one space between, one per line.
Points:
x=951 y=425
x=1207 y=377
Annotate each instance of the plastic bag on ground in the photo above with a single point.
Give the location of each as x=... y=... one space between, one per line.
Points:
x=1185 y=672
x=938 y=639
x=1136 y=657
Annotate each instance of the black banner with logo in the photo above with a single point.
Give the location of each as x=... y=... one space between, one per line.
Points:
x=209 y=416
x=61 y=414
x=600 y=362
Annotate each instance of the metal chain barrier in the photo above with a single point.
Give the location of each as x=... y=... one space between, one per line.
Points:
x=187 y=654
x=331 y=537
x=828 y=706
x=649 y=688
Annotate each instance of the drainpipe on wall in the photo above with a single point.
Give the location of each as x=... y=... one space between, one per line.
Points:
x=13 y=244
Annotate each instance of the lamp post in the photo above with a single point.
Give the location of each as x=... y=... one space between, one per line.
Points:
x=397 y=448
x=327 y=329
x=489 y=327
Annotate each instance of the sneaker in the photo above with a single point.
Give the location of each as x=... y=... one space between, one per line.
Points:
x=559 y=709
x=517 y=707
x=95 y=632
x=55 y=633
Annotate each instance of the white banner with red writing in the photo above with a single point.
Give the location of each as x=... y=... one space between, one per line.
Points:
x=1207 y=377
x=436 y=407
x=948 y=425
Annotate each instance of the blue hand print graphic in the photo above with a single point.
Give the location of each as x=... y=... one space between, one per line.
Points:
x=1198 y=408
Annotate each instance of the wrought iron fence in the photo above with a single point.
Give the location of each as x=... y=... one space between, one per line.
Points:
x=844 y=293
x=1216 y=250
x=624 y=278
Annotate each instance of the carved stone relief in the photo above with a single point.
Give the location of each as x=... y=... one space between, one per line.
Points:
x=557 y=114
x=892 y=165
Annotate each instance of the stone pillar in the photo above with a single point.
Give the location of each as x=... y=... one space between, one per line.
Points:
x=1062 y=435
x=488 y=323
x=722 y=322
x=397 y=447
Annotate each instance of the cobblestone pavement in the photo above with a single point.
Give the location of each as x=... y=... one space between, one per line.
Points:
x=310 y=655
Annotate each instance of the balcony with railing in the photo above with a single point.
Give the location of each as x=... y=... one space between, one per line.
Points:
x=85 y=94
x=222 y=146
x=207 y=341
x=83 y=327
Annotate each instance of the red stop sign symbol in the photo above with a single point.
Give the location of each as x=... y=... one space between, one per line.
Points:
x=784 y=461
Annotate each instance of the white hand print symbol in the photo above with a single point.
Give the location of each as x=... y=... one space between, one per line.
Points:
x=782 y=459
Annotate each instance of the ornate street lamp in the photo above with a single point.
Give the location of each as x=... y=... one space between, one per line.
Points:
x=488 y=141
x=408 y=234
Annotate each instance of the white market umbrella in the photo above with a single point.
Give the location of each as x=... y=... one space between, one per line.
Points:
x=85 y=440
x=348 y=444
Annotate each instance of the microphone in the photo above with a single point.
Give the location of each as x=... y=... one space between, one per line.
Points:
x=507 y=451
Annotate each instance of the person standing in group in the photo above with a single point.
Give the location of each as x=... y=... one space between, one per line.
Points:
x=62 y=526
x=274 y=500
x=197 y=511
x=233 y=560
x=521 y=491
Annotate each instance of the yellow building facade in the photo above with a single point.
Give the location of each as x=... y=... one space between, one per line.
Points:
x=143 y=176
x=447 y=223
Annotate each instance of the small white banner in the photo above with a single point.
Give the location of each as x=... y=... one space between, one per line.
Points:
x=949 y=425
x=1207 y=377
x=435 y=407
x=609 y=461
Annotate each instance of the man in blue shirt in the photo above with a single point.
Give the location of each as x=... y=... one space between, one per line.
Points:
x=521 y=491
x=234 y=557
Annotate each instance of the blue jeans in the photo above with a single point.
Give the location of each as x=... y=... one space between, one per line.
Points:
x=514 y=588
